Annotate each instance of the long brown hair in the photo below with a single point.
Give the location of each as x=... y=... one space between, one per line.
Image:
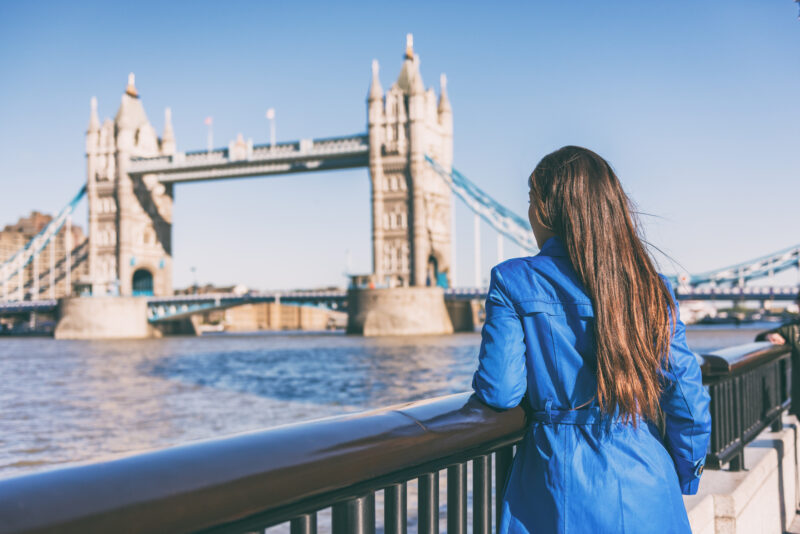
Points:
x=576 y=194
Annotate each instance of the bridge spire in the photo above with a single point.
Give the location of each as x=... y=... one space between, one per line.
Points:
x=375 y=89
x=410 y=80
x=131 y=89
x=409 y=46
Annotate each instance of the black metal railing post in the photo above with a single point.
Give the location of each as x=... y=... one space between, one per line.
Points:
x=428 y=507
x=457 y=499
x=395 y=509
x=482 y=494
x=355 y=516
x=304 y=524
x=503 y=459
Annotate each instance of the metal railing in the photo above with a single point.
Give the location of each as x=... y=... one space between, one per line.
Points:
x=251 y=481
x=750 y=387
x=338 y=465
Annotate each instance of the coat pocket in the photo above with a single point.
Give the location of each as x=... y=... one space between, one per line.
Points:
x=579 y=309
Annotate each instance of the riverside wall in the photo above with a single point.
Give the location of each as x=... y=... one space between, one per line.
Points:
x=762 y=499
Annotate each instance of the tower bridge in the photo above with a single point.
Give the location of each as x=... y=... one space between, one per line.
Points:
x=132 y=172
x=408 y=151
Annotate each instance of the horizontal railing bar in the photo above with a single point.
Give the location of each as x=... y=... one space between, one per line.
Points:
x=201 y=485
x=740 y=358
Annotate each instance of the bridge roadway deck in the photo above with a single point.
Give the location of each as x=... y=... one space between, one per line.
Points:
x=305 y=155
x=175 y=307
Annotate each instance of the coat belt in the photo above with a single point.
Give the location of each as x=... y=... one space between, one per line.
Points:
x=589 y=415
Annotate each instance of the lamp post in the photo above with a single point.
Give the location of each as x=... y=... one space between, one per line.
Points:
x=477 y=249
x=194 y=277
x=271 y=118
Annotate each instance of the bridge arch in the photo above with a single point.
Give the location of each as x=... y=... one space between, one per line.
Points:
x=142 y=283
x=436 y=273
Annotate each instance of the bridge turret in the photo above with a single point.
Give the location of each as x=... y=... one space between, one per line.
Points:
x=168 y=139
x=375 y=90
x=93 y=132
x=416 y=162
x=411 y=206
x=445 y=112
x=444 y=109
x=130 y=216
x=376 y=123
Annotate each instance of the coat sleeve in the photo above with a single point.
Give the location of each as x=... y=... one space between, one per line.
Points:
x=785 y=332
x=501 y=378
x=685 y=404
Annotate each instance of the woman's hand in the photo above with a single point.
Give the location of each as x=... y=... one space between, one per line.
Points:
x=775 y=339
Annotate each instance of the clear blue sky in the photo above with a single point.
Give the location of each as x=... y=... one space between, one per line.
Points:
x=695 y=104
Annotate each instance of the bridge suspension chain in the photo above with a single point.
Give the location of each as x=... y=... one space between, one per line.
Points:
x=498 y=216
x=762 y=267
x=32 y=248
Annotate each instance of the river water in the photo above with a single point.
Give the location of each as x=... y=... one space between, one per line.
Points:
x=63 y=402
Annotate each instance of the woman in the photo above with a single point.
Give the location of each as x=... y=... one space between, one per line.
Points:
x=586 y=329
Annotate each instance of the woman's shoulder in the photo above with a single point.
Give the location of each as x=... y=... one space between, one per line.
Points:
x=541 y=278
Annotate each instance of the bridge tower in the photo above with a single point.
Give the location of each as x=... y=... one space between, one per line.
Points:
x=130 y=216
x=411 y=204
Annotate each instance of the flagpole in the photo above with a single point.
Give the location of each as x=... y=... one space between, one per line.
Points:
x=271 y=118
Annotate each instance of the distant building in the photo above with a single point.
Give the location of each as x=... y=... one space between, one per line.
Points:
x=261 y=315
x=238 y=289
x=44 y=277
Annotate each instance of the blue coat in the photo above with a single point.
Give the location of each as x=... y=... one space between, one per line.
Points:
x=576 y=470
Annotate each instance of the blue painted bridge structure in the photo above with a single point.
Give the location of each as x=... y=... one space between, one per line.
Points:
x=181 y=306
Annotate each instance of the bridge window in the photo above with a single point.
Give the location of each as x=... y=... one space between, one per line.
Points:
x=404 y=254
x=148 y=238
x=433 y=272
x=142 y=283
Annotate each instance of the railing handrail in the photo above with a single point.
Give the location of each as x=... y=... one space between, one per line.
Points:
x=740 y=358
x=204 y=484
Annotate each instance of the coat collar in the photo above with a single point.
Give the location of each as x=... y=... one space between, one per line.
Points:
x=553 y=247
